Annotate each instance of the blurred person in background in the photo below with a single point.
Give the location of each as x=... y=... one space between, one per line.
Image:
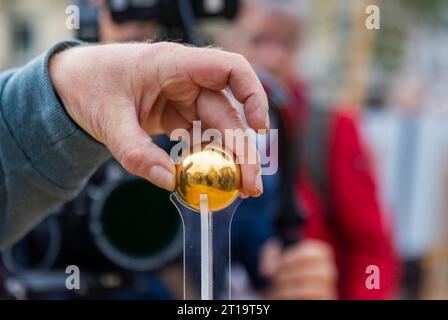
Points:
x=339 y=198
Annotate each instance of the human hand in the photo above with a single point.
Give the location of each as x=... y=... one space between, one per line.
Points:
x=122 y=93
x=305 y=271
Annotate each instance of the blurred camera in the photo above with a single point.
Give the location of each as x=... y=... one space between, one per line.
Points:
x=169 y=12
x=120 y=227
x=176 y=17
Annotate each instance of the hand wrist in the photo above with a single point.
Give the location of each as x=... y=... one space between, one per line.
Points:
x=68 y=79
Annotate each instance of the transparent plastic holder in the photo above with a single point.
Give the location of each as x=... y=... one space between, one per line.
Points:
x=207 y=250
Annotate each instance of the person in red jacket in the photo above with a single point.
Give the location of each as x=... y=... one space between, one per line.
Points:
x=343 y=215
x=348 y=215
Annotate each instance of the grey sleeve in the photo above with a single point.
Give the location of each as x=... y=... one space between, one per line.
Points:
x=45 y=158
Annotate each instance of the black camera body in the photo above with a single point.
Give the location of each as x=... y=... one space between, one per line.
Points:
x=169 y=12
x=176 y=17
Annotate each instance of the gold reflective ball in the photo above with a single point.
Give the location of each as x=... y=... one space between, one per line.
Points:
x=211 y=171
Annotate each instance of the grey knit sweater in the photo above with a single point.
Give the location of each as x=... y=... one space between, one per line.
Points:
x=45 y=158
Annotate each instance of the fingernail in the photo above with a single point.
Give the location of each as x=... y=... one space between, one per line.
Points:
x=244 y=195
x=267 y=124
x=162 y=177
x=259 y=184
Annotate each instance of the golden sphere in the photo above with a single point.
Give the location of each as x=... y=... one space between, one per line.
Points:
x=212 y=171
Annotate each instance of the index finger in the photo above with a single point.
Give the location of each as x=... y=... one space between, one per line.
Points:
x=216 y=70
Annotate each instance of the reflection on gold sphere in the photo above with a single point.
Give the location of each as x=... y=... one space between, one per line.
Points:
x=211 y=171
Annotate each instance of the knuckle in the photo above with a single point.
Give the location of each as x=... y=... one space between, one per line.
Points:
x=327 y=251
x=319 y=248
x=169 y=46
x=132 y=159
x=239 y=59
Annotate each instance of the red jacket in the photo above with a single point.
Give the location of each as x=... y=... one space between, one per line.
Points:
x=350 y=219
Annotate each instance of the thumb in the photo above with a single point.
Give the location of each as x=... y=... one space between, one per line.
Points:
x=136 y=152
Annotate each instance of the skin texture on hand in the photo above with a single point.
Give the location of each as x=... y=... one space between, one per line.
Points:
x=122 y=93
x=305 y=271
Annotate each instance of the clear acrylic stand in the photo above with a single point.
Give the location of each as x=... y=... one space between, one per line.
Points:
x=206 y=250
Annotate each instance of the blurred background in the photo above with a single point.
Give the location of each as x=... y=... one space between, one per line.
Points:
x=363 y=153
